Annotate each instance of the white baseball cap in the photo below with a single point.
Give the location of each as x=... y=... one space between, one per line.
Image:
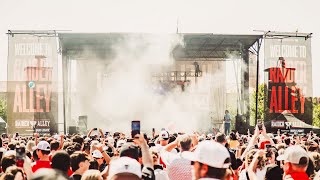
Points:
x=164 y=135
x=43 y=145
x=110 y=140
x=120 y=143
x=210 y=153
x=97 y=154
x=124 y=165
x=56 y=136
x=293 y=154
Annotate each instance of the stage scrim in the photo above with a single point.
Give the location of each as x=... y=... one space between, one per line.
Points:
x=288 y=67
x=32 y=87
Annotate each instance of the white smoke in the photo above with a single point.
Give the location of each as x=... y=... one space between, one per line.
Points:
x=128 y=91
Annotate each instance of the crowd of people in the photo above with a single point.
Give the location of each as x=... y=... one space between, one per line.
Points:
x=161 y=156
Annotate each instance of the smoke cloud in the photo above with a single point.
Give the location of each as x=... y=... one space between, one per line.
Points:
x=118 y=89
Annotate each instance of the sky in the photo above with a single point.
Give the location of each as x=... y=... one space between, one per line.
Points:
x=220 y=17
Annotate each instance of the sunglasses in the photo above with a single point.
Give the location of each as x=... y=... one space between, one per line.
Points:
x=193 y=162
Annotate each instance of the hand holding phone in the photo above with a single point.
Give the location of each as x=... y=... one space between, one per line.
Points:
x=95 y=129
x=135 y=128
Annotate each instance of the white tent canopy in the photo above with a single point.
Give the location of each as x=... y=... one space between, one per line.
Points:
x=2 y=121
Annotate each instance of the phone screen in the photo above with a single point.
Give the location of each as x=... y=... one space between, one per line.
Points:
x=260 y=125
x=135 y=128
x=20 y=155
x=268 y=146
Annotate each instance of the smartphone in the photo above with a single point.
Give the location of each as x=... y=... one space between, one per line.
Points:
x=135 y=128
x=153 y=130
x=267 y=146
x=260 y=125
x=95 y=129
x=20 y=156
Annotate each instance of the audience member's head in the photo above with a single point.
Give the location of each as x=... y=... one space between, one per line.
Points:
x=221 y=138
x=91 y=175
x=7 y=161
x=61 y=161
x=295 y=159
x=124 y=168
x=54 y=145
x=79 y=161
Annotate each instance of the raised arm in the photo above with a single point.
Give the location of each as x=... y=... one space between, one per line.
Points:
x=61 y=140
x=252 y=169
x=169 y=147
x=89 y=133
x=251 y=142
x=146 y=156
x=104 y=154
x=264 y=133
x=36 y=136
x=101 y=133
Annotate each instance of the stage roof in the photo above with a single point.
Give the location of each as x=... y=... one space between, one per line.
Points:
x=76 y=45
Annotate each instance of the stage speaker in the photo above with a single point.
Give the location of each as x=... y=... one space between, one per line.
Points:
x=241 y=125
x=73 y=130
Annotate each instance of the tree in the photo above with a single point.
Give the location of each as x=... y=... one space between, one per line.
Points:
x=316 y=114
x=3 y=108
x=261 y=88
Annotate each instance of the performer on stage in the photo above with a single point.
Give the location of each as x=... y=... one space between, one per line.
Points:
x=227 y=122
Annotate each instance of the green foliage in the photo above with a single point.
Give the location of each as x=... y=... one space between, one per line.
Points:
x=3 y=108
x=316 y=114
x=261 y=88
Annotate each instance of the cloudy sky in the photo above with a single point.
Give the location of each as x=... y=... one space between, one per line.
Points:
x=224 y=16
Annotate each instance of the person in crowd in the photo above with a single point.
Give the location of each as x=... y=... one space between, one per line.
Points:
x=210 y=160
x=30 y=146
x=61 y=161
x=315 y=156
x=160 y=173
x=97 y=155
x=48 y=174
x=221 y=138
x=7 y=161
x=121 y=168
x=42 y=151
x=179 y=167
x=171 y=156
x=259 y=166
x=92 y=175
x=296 y=162
x=13 y=173
x=163 y=140
x=125 y=168
x=94 y=164
x=93 y=131
x=78 y=139
x=79 y=164
x=227 y=122
x=54 y=146
x=233 y=141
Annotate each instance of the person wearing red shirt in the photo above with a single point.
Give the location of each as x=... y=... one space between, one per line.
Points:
x=43 y=151
x=296 y=162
